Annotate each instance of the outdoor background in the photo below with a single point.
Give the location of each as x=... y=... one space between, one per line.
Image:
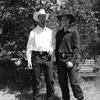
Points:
x=16 y=22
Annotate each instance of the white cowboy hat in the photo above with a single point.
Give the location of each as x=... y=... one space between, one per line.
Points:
x=41 y=12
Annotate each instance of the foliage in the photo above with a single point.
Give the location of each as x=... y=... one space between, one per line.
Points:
x=17 y=20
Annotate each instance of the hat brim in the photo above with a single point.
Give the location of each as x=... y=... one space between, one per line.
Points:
x=36 y=14
x=70 y=16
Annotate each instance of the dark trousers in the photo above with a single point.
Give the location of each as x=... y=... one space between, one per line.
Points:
x=63 y=74
x=47 y=66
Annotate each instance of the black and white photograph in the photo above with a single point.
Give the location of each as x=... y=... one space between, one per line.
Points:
x=49 y=49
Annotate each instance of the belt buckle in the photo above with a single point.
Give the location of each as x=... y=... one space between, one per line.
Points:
x=43 y=53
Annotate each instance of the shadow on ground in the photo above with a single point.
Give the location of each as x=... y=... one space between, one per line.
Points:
x=30 y=97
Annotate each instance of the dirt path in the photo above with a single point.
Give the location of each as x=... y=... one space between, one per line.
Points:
x=90 y=88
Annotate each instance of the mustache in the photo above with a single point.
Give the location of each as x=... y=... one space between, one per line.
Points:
x=42 y=22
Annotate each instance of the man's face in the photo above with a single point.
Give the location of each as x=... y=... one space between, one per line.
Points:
x=65 y=21
x=42 y=20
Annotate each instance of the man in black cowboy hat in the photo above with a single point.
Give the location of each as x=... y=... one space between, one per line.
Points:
x=67 y=56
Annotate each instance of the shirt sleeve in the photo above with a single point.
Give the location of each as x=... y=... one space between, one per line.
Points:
x=76 y=47
x=53 y=41
x=30 y=46
x=56 y=43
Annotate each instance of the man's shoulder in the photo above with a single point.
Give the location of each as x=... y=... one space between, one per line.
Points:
x=72 y=29
x=33 y=30
x=49 y=29
x=59 y=31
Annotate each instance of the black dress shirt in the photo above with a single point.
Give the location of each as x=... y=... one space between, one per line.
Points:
x=68 y=43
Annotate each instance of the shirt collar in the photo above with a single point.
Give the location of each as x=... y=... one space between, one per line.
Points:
x=41 y=28
x=70 y=29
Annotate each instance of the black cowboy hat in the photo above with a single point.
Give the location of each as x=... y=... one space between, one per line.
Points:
x=69 y=16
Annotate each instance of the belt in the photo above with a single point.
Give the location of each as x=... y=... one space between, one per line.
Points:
x=64 y=55
x=41 y=53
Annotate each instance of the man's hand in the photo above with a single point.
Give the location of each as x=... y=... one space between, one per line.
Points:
x=51 y=54
x=69 y=64
x=29 y=66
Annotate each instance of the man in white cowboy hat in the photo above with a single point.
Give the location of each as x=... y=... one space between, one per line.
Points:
x=39 y=52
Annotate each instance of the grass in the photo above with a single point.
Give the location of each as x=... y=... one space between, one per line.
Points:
x=13 y=87
x=91 y=89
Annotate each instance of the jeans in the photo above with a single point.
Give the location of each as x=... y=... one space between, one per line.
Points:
x=64 y=74
x=37 y=61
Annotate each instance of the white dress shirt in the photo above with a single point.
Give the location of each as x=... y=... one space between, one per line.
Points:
x=40 y=39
